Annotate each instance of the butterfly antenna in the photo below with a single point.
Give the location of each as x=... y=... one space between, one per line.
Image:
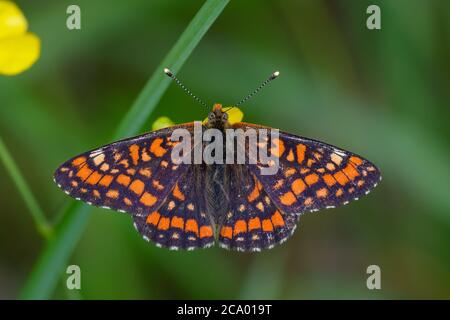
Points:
x=182 y=86
x=273 y=76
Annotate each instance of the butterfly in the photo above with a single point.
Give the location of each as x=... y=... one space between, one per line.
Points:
x=189 y=206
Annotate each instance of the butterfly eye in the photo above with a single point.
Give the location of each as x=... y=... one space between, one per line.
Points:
x=211 y=116
x=225 y=116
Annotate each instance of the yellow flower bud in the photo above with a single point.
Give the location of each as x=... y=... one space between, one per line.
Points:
x=162 y=122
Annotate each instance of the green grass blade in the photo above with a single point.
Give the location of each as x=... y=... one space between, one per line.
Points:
x=158 y=83
x=38 y=215
x=55 y=255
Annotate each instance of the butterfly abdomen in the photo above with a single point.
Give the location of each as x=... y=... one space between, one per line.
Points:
x=217 y=191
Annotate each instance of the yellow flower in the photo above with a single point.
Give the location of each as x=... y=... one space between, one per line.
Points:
x=19 y=49
x=235 y=115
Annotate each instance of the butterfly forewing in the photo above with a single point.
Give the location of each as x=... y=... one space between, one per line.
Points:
x=133 y=175
x=313 y=175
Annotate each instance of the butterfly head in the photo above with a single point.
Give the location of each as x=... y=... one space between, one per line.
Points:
x=217 y=118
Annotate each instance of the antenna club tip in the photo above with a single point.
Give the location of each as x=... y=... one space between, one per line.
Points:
x=274 y=75
x=168 y=72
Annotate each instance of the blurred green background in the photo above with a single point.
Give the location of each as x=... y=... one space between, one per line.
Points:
x=383 y=94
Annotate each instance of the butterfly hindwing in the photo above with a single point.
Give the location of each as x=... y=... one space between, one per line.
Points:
x=253 y=222
x=133 y=175
x=313 y=175
x=181 y=221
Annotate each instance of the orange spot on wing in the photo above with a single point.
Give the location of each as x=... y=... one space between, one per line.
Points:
x=310 y=162
x=277 y=219
x=191 y=225
x=96 y=193
x=337 y=159
x=311 y=178
x=308 y=201
x=156 y=148
x=288 y=198
x=94 y=178
x=240 y=226
x=322 y=193
x=148 y=199
x=278 y=184
x=127 y=201
x=301 y=148
x=339 y=192
x=267 y=225
x=84 y=173
x=177 y=222
x=226 y=232
x=146 y=172
x=177 y=193
x=356 y=160
x=164 y=223
x=279 y=149
x=153 y=218
x=106 y=180
x=134 y=153
x=205 y=232
x=298 y=186
x=78 y=161
x=123 y=180
x=99 y=159
x=124 y=163
x=254 y=223
x=104 y=167
x=290 y=156
x=329 y=180
x=157 y=185
x=137 y=186
x=289 y=172
x=145 y=156
x=350 y=171
x=341 y=178
x=254 y=194
x=113 y=194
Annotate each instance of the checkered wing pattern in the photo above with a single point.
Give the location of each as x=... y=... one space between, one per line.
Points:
x=314 y=175
x=253 y=221
x=133 y=175
x=181 y=221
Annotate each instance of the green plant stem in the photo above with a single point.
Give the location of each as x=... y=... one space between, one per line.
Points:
x=158 y=83
x=41 y=222
x=45 y=274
